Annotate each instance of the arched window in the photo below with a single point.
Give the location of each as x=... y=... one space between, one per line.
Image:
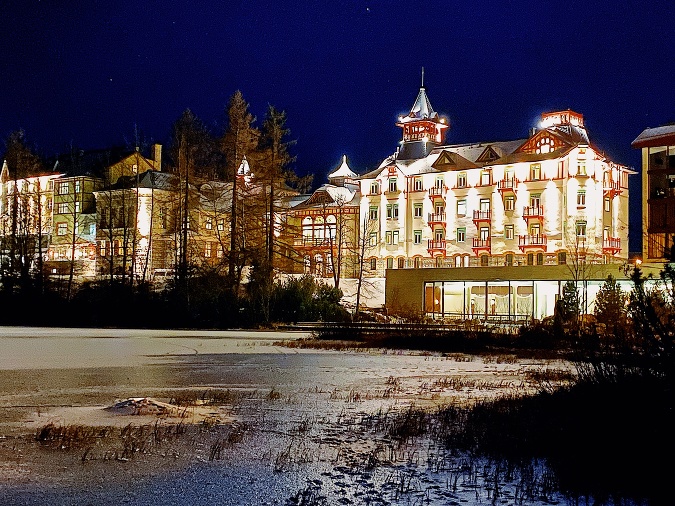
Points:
x=331 y=222
x=307 y=226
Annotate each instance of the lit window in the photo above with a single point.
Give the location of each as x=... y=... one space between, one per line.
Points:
x=77 y=186
x=418 y=184
x=388 y=237
x=394 y=238
x=485 y=178
x=581 y=169
x=581 y=228
x=373 y=213
x=461 y=208
x=535 y=172
x=581 y=198
x=373 y=264
x=509 y=203
x=417 y=237
x=508 y=232
x=61 y=229
x=392 y=185
x=207 y=250
x=77 y=207
x=417 y=210
x=220 y=224
x=62 y=208
x=62 y=188
x=461 y=180
x=461 y=234
x=102 y=248
x=208 y=224
x=608 y=204
x=373 y=239
x=439 y=182
x=484 y=233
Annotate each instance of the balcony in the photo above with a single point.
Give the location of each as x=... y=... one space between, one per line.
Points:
x=532 y=242
x=392 y=193
x=611 y=245
x=533 y=213
x=481 y=217
x=436 y=219
x=312 y=242
x=436 y=246
x=437 y=192
x=611 y=189
x=507 y=185
x=481 y=245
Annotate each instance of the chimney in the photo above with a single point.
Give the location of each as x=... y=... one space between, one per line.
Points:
x=157 y=156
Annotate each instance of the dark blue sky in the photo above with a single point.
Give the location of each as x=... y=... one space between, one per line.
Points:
x=86 y=72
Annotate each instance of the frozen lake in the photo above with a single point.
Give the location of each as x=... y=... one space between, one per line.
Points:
x=300 y=414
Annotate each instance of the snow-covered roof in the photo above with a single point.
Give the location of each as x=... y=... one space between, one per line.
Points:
x=343 y=170
x=658 y=136
x=421 y=109
x=244 y=169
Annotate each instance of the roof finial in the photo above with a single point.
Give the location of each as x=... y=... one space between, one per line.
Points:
x=422 y=77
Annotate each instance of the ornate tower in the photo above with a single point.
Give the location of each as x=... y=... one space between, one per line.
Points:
x=423 y=129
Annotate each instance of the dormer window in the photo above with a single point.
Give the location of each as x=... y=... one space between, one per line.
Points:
x=545 y=145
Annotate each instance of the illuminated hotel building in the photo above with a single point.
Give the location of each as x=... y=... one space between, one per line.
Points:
x=517 y=211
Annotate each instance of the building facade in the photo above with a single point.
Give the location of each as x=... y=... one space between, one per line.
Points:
x=658 y=191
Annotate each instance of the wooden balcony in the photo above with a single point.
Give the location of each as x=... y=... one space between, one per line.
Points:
x=611 y=245
x=533 y=213
x=532 y=242
x=611 y=189
x=507 y=185
x=436 y=219
x=482 y=217
x=437 y=192
x=481 y=245
x=436 y=247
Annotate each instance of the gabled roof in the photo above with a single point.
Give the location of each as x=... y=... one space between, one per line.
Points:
x=148 y=179
x=658 y=136
x=449 y=160
x=329 y=195
x=343 y=170
x=90 y=162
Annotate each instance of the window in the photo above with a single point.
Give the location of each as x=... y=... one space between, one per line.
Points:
x=535 y=229
x=486 y=177
x=417 y=237
x=92 y=229
x=417 y=184
x=508 y=232
x=77 y=207
x=440 y=209
x=439 y=261
x=581 y=228
x=390 y=212
x=62 y=188
x=388 y=237
x=581 y=169
x=102 y=248
x=78 y=187
x=394 y=237
x=393 y=185
x=208 y=223
x=62 y=208
x=401 y=263
x=417 y=262
x=540 y=259
x=530 y=259
x=394 y=211
x=509 y=203
x=390 y=263
x=608 y=205
x=484 y=233
x=373 y=264
x=484 y=260
x=535 y=172
x=373 y=239
x=439 y=234
x=581 y=198
x=461 y=234
x=49 y=204
x=374 y=188
x=417 y=210
x=440 y=182
x=61 y=229
x=461 y=180
x=220 y=224
x=535 y=200
x=509 y=259
x=207 y=249
x=485 y=205
x=461 y=208
x=562 y=258
x=373 y=213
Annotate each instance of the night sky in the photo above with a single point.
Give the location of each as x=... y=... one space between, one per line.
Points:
x=87 y=72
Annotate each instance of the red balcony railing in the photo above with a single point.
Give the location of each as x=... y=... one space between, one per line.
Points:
x=611 y=188
x=436 y=219
x=436 y=246
x=481 y=216
x=611 y=245
x=480 y=245
x=533 y=213
x=507 y=185
x=532 y=242
x=437 y=192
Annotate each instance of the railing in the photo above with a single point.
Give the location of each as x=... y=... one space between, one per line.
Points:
x=611 y=188
x=308 y=242
x=480 y=244
x=533 y=212
x=507 y=184
x=436 y=218
x=482 y=215
x=437 y=191
x=436 y=244
x=539 y=241
x=611 y=244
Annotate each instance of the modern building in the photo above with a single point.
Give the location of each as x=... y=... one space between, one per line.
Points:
x=658 y=191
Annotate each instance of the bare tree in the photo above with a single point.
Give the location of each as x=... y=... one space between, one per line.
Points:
x=366 y=241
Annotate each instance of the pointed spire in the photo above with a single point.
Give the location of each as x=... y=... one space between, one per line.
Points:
x=4 y=175
x=342 y=171
x=422 y=77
